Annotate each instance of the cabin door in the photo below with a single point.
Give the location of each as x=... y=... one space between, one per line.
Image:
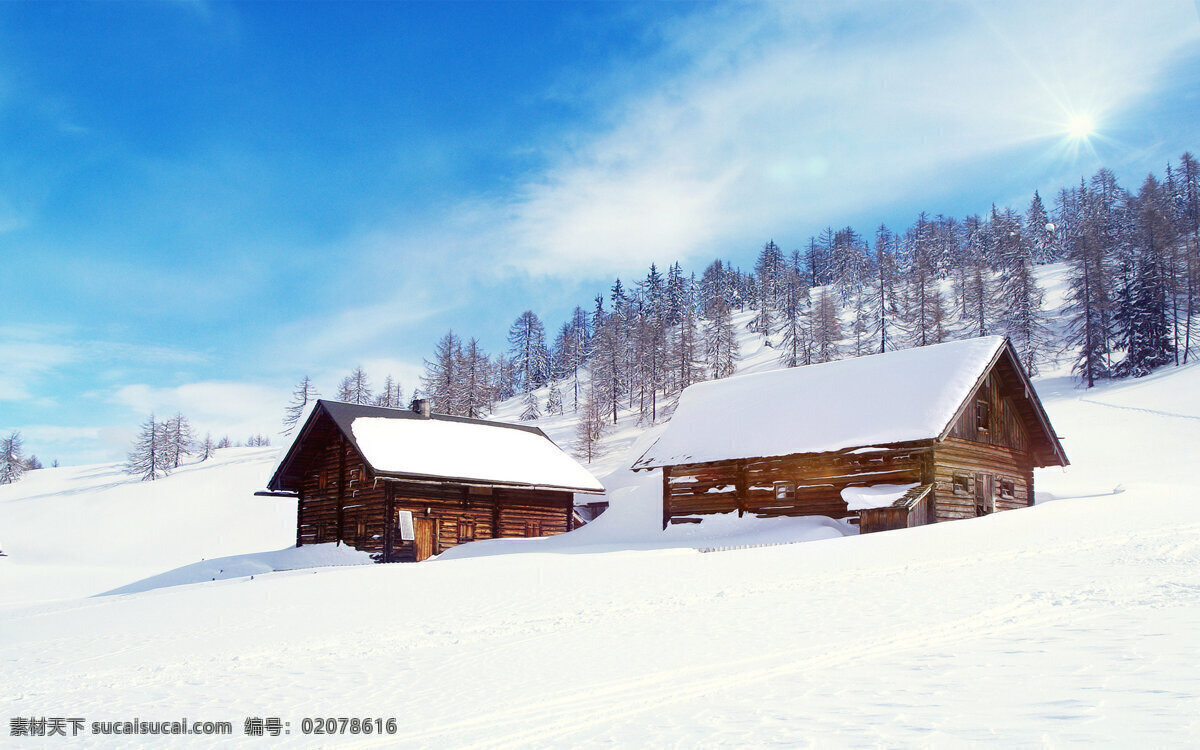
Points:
x=423 y=532
x=985 y=494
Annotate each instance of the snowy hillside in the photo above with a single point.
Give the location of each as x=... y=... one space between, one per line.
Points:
x=78 y=530
x=1075 y=622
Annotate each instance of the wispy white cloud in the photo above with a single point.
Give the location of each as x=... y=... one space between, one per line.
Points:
x=777 y=116
x=221 y=407
x=31 y=354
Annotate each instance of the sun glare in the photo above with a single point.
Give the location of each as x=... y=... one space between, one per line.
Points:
x=1080 y=126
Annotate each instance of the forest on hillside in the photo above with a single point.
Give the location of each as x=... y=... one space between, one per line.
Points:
x=1134 y=278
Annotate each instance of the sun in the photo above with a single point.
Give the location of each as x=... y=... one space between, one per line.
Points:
x=1080 y=126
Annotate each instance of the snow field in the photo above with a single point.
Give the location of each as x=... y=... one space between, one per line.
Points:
x=1072 y=623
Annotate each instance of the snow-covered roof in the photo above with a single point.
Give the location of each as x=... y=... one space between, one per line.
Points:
x=403 y=444
x=911 y=394
x=874 y=496
x=474 y=451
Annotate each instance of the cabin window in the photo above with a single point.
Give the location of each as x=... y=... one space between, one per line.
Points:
x=466 y=531
x=785 y=490
x=322 y=480
x=404 y=522
x=962 y=484
x=533 y=528
x=362 y=530
x=983 y=415
x=1007 y=490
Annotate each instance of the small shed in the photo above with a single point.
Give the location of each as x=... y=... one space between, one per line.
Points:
x=404 y=484
x=891 y=440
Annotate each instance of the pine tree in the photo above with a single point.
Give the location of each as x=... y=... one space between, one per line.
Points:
x=178 y=439
x=1040 y=229
x=768 y=271
x=1143 y=318
x=1087 y=294
x=392 y=395
x=304 y=394
x=148 y=458
x=607 y=361
x=795 y=335
x=925 y=313
x=720 y=342
x=354 y=388
x=883 y=299
x=1021 y=313
x=978 y=293
x=554 y=402
x=685 y=358
x=12 y=459
x=442 y=382
x=589 y=429
x=527 y=347
x=530 y=410
x=474 y=382
x=1188 y=187
x=207 y=448
x=826 y=328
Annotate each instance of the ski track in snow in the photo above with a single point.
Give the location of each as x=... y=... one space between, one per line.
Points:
x=1155 y=412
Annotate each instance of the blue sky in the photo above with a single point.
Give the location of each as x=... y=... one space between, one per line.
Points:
x=201 y=202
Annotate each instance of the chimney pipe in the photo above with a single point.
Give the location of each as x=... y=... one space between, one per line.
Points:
x=421 y=406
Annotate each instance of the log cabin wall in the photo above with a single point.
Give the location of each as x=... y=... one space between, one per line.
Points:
x=967 y=462
x=463 y=514
x=340 y=499
x=1004 y=427
x=749 y=485
x=995 y=444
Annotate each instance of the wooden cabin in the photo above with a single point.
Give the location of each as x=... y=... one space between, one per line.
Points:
x=405 y=485
x=892 y=440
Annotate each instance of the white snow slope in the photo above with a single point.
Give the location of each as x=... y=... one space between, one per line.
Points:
x=1072 y=623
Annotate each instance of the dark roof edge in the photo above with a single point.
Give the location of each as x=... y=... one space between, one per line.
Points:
x=901 y=445
x=343 y=413
x=387 y=476
x=273 y=484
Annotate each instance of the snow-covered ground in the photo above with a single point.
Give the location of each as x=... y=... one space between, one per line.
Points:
x=1075 y=622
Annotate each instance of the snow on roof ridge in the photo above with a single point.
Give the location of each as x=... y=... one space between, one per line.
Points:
x=997 y=340
x=468 y=450
x=897 y=396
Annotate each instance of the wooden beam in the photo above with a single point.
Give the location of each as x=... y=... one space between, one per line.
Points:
x=740 y=488
x=666 y=496
x=389 y=522
x=341 y=506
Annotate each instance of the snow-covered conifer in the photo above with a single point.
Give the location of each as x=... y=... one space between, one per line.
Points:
x=527 y=347
x=304 y=394
x=826 y=328
x=441 y=382
x=148 y=458
x=12 y=458
x=589 y=429
x=178 y=440
x=554 y=401
x=354 y=388
x=720 y=342
x=207 y=448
